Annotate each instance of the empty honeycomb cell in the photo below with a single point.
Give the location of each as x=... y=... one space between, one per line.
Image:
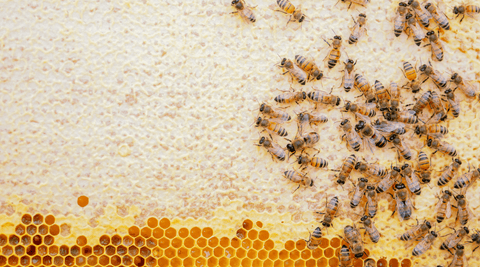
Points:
x=212 y=262
x=158 y=232
x=116 y=240
x=235 y=242
x=164 y=223
x=146 y=232
x=25 y=260
x=37 y=240
x=163 y=262
x=42 y=250
x=116 y=260
x=127 y=241
x=207 y=252
x=170 y=233
x=278 y=263
x=38 y=219
x=122 y=250
x=310 y=263
x=58 y=261
x=288 y=263
x=75 y=251
x=262 y=254
x=26 y=239
x=200 y=262
x=224 y=262
x=104 y=260
x=139 y=242
x=13 y=240
x=382 y=263
x=50 y=219
x=20 y=229
x=36 y=260
x=394 y=263
x=224 y=242
x=151 y=242
x=127 y=260
x=31 y=229
x=252 y=254
x=43 y=229
x=229 y=252
x=289 y=245
x=207 y=232
x=48 y=240
x=7 y=250
x=176 y=262
x=3 y=240
x=20 y=250
x=145 y=252
x=150 y=261
x=64 y=250
x=246 y=262
x=164 y=242
x=152 y=222
x=241 y=253
x=273 y=255
x=54 y=229
x=234 y=262
x=47 y=260
x=134 y=231
x=92 y=260
x=306 y=254
x=157 y=252
x=317 y=253
x=182 y=253
x=87 y=251
x=247 y=243
x=283 y=255
x=218 y=252
x=406 y=263
x=241 y=233
x=27 y=219
x=82 y=201
x=295 y=254
x=98 y=250
x=213 y=242
x=81 y=240
x=333 y=262
x=109 y=250
x=133 y=251
x=300 y=244
x=252 y=234
x=188 y=262
x=53 y=251
x=170 y=252
x=32 y=250
x=13 y=260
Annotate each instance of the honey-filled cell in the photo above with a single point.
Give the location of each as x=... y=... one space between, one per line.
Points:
x=80 y=261
x=103 y=260
x=213 y=242
x=394 y=263
x=133 y=251
x=26 y=240
x=13 y=260
x=223 y=262
x=278 y=263
x=324 y=243
x=207 y=252
x=37 y=240
x=81 y=240
x=200 y=262
x=127 y=260
x=157 y=252
x=152 y=222
x=273 y=255
x=235 y=242
x=36 y=260
x=38 y=219
x=27 y=219
x=3 y=240
x=92 y=260
x=357 y=262
x=257 y=244
x=229 y=252
x=121 y=250
x=146 y=232
x=134 y=231
x=75 y=251
x=182 y=253
x=299 y=263
x=329 y=252
x=20 y=230
x=163 y=261
x=64 y=250
x=115 y=260
x=241 y=253
x=188 y=242
x=164 y=223
x=183 y=232
x=382 y=263
x=247 y=224
x=333 y=262
x=188 y=262
x=116 y=240
x=86 y=251
x=43 y=229
x=406 y=263
x=335 y=242
x=283 y=255
x=145 y=252
x=7 y=250
x=259 y=224
x=139 y=261
x=42 y=250
x=218 y=252
x=110 y=250
x=157 y=233
x=300 y=244
x=151 y=242
x=176 y=262
x=289 y=245
x=322 y=262
x=311 y=263
x=207 y=232
x=13 y=240
x=263 y=235
x=235 y=262
x=262 y=254
x=54 y=230
x=295 y=254
x=317 y=253
x=32 y=250
x=53 y=250
x=47 y=240
x=98 y=250
x=224 y=242
x=366 y=253
x=170 y=233
x=127 y=241
x=195 y=252
x=247 y=243
x=305 y=254
x=246 y=262
x=241 y=233
x=288 y=263
x=139 y=242
x=170 y=253
x=58 y=261
x=268 y=263
x=50 y=219
x=212 y=262
x=150 y=262
x=252 y=254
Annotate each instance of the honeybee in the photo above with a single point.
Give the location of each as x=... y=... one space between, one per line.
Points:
x=422 y=14
x=382 y=95
x=431 y=129
x=330 y=212
x=334 y=54
x=272 y=148
x=344 y=257
x=423 y=161
x=274 y=113
x=372 y=204
x=409 y=71
x=400 y=20
x=440 y=18
x=314 y=239
x=395 y=97
x=352 y=137
x=415 y=86
x=412 y=179
x=415 y=29
x=363 y=109
x=370 y=169
x=370 y=132
x=459 y=259
x=354 y=238
x=363 y=86
x=348 y=78
x=318 y=118
x=371 y=229
x=455 y=238
x=463 y=211
x=305 y=118
x=464 y=85
x=290 y=97
x=402 y=148
x=417 y=232
x=295 y=71
x=301 y=141
x=272 y=126
x=243 y=10
x=437 y=78
x=463 y=10
x=369 y=263
x=389 y=128
x=324 y=98
x=314 y=162
x=449 y=172
x=425 y=244
x=387 y=182
x=403 y=203
x=404 y=117
x=346 y=169
x=475 y=239
x=437 y=47
x=453 y=103
x=421 y=103
x=441 y=146
x=288 y=8
x=358 y=29
x=298 y=178
x=425 y=176
x=438 y=108
x=467 y=179
x=309 y=66
x=358 y=192
x=443 y=208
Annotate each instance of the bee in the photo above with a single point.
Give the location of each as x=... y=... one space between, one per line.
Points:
x=409 y=71
x=294 y=70
x=423 y=161
x=464 y=85
x=299 y=178
x=402 y=148
x=463 y=10
x=370 y=169
x=305 y=118
x=425 y=244
x=467 y=179
x=352 y=137
x=421 y=103
x=372 y=204
x=403 y=203
x=437 y=106
x=412 y=179
x=370 y=132
x=395 y=97
x=363 y=109
x=331 y=210
x=459 y=259
x=288 y=8
x=334 y=54
x=363 y=86
x=290 y=97
x=369 y=263
x=453 y=103
x=437 y=78
x=475 y=239
x=416 y=232
x=309 y=66
x=389 y=128
x=437 y=47
x=400 y=19
x=272 y=126
x=431 y=129
x=415 y=29
x=324 y=98
x=387 y=182
x=443 y=208
x=274 y=113
x=346 y=169
x=415 y=86
x=463 y=211
x=301 y=141
x=382 y=96
x=358 y=29
x=243 y=10
x=440 y=18
x=344 y=257
x=449 y=172
x=404 y=117
x=314 y=239
x=314 y=162
x=441 y=146
x=371 y=229
x=455 y=238
x=354 y=238
x=348 y=78
x=422 y=14
x=272 y=148
x=359 y=192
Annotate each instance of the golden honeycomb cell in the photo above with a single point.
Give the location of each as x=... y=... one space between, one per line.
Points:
x=27 y=219
x=252 y=254
x=133 y=251
x=329 y=252
x=152 y=242
x=43 y=229
x=13 y=240
x=86 y=251
x=252 y=234
x=289 y=245
x=224 y=242
x=121 y=250
x=127 y=260
x=13 y=260
x=20 y=230
x=7 y=250
x=229 y=252
x=306 y=254
x=139 y=242
x=3 y=261
x=283 y=255
x=170 y=232
x=157 y=252
x=36 y=260
x=110 y=250
x=247 y=243
x=218 y=252
x=235 y=242
x=213 y=242
x=37 y=240
x=310 y=263
x=200 y=262
x=47 y=240
x=333 y=262
x=212 y=262
x=246 y=262
x=294 y=254
x=257 y=244
x=278 y=263
x=164 y=242
x=157 y=232
x=20 y=250
x=170 y=253
x=268 y=263
x=116 y=240
x=25 y=260
x=241 y=253
x=317 y=253
x=42 y=250
x=3 y=240
x=150 y=262
x=406 y=263
x=25 y=240
x=152 y=222
x=82 y=201
x=38 y=219
x=234 y=262
x=288 y=263
x=163 y=262
x=176 y=262
x=52 y=250
x=134 y=231
x=50 y=219
x=31 y=250
x=115 y=260
x=103 y=260
x=81 y=241
x=262 y=254
x=300 y=244
x=182 y=253
x=75 y=251
x=97 y=250
x=241 y=233
x=223 y=262
x=164 y=223
x=145 y=252
x=382 y=263
x=58 y=261
x=47 y=260
x=31 y=229
x=394 y=263
x=54 y=230
x=146 y=232
x=127 y=241
x=273 y=254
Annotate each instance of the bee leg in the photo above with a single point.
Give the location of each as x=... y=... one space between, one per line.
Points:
x=285 y=73
x=296 y=189
x=475 y=248
x=234 y=12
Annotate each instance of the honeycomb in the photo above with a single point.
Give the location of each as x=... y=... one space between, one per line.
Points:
x=116 y=112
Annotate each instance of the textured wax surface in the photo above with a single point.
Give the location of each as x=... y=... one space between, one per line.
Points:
x=148 y=107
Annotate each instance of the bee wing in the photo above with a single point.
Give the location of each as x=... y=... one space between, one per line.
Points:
x=363 y=117
x=470 y=213
x=449 y=209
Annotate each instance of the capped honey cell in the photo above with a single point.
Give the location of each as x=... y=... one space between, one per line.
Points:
x=50 y=219
x=152 y=222
x=146 y=232
x=134 y=231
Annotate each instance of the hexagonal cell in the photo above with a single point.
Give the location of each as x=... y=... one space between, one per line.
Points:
x=213 y=242
x=64 y=250
x=247 y=224
x=195 y=232
x=75 y=251
x=139 y=261
x=182 y=253
x=36 y=260
x=394 y=263
x=82 y=201
x=47 y=260
x=52 y=251
x=42 y=250
x=406 y=263
x=224 y=242
x=50 y=219
x=207 y=232
x=127 y=241
x=194 y=252
x=176 y=262
x=229 y=252
x=200 y=262
x=13 y=260
x=263 y=235
x=69 y=260
x=43 y=229
x=252 y=254
x=87 y=251
x=133 y=251
x=139 y=241
x=268 y=263
x=170 y=232
x=134 y=231
x=207 y=252
x=150 y=262
x=127 y=260
x=247 y=243
x=48 y=240
x=212 y=262
x=294 y=254
x=335 y=242
x=92 y=260
x=58 y=261
x=103 y=260
x=146 y=232
x=3 y=261
x=263 y=254
x=177 y=242
x=25 y=260
x=151 y=242
x=223 y=262
x=122 y=250
x=152 y=222
x=188 y=262
x=13 y=240
x=300 y=244
x=241 y=233
x=37 y=240
x=116 y=240
x=283 y=255
x=246 y=262
x=235 y=242
x=164 y=242
x=80 y=261
x=38 y=219
x=20 y=230
x=289 y=245
x=252 y=234
x=157 y=252
x=116 y=260
x=54 y=229
x=306 y=254
x=257 y=244
x=31 y=250
x=235 y=262
x=31 y=229
x=145 y=252
x=218 y=252
x=269 y=244
x=333 y=261
x=163 y=262
x=81 y=240
x=98 y=250
x=164 y=223
x=202 y=242
x=20 y=250
x=110 y=250
x=157 y=233
x=3 y=240
x=27 y=219
x=26 y=240
x=183 y=232
x=7 y=250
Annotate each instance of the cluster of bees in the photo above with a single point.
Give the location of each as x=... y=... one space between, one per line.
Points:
x=373 y=131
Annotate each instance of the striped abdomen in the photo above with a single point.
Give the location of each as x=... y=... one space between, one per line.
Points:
x=410 y=71
x=423 y=161
x=276 y=128
x=333 y=58
x=304 y=63
x=286 y=6
x=299 y=74
x=318 y=162
x=472 y=9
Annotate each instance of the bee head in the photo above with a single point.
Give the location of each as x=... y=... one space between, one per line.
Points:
x=311 y=182
x=448 y=91
x=262 y=107
x=466 y=230
x=429 y=142
x=340 y=181
x=458 y=10
x=362 y=15
x=427 y=5
x=402 y=4
x=234 y=2
x=364 y=218
x=388 y=116
x=417 y=130
x=460 y=246
x=408 y=16
x=396 y=169
x=405 y=166
x=357 y=165
x=424 y=66
x=369 y=187
x=344 y=122
x=283 y=62
x=430 y=33
x=399 y=186
x=319 y=76
x=458 y=161
x=338 y=37
x=428 y=224
x=447 y=192
x=300 y=158
x=304 y=95
x=410 y=2
x=259 y=120
x=301 y=19
x=393 y=137
x=350 y=61
x=261 y=140
x=326 y=224
x=360 y=125
x=433 y=233
x=362 y=179
x=291 y=148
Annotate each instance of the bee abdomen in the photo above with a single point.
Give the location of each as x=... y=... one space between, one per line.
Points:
x=319 y=163
x=332 y=63
x=417 y=41
x=352 y=39
x=440 y=219
x=382 y=142
x=460 y=183
x=397 y=32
